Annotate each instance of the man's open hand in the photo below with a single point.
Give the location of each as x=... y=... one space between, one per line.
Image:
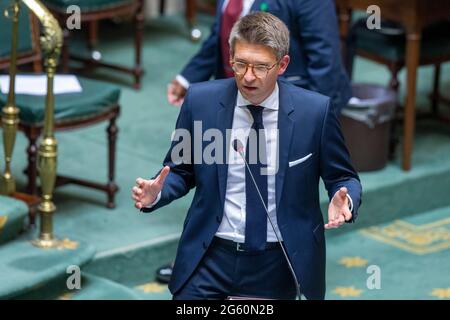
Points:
x=146 y=191
x=338 y=210
x=175 y=93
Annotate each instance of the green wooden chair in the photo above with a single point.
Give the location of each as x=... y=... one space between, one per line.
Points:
x=93 y=11
x=388 y=45
x=98 y=102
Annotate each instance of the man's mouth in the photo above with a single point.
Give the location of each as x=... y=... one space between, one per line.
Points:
x=250 y=88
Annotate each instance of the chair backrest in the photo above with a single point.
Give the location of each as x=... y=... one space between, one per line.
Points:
x=28 y=48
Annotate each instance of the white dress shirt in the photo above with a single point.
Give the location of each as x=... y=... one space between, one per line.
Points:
x=232 y=226
x=246 y=6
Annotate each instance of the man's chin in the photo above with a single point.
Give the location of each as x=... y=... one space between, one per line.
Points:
x=249 y=93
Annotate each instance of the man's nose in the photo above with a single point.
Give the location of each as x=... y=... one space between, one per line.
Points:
x=249 y=76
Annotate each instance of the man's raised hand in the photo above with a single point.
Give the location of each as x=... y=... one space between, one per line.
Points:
x=175 y=93
x=338 y=210
x=146 y=191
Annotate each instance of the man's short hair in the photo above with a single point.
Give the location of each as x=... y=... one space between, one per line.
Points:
x=261 y=28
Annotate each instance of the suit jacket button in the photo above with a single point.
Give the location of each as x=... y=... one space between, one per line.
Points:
x=205 y=246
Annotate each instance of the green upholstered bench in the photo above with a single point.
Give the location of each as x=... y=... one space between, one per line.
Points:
x=97 y=102
x=92 y=11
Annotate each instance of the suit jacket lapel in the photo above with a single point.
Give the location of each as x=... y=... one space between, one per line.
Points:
x=285 y=129
x=225 y=121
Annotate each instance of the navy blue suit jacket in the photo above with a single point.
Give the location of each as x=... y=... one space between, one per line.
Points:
x=306 y=125
x=315 y=50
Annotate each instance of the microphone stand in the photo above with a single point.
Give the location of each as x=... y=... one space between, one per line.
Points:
x=291 y=269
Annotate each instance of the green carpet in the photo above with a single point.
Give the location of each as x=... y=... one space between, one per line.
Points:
x=412 y=255
x=92 y=288
x=126 y=240
x=24 y=267
x=12 y=216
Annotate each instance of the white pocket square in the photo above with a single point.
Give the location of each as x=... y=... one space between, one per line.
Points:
x=298 y=161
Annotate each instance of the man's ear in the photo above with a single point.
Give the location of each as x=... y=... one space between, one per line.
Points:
x=284 y=62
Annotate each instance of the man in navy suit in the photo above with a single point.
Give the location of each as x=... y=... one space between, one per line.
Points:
x=315 y=50
x=292 y=138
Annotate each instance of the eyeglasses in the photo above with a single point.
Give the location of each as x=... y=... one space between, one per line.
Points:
x=259 y=70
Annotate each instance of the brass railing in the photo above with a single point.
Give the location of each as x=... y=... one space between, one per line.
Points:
x=51 y=43
x=10 y=113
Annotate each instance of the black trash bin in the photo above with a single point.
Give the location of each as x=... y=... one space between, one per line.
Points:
x=366 y=125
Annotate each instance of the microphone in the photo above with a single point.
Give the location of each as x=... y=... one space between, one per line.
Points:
x=239 y=148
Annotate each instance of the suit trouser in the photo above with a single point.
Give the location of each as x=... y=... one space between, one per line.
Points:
x=224 y=271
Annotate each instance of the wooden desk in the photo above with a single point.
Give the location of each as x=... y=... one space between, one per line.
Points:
x=414 y=15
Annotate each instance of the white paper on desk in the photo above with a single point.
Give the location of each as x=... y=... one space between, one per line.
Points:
x=36 y=85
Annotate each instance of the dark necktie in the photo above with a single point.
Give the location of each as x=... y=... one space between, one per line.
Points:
x=256 y=218
x=229 y=16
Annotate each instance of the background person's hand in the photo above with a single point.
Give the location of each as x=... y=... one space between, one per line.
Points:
x=175 y=93
x=338 y=210
x=146 y=191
